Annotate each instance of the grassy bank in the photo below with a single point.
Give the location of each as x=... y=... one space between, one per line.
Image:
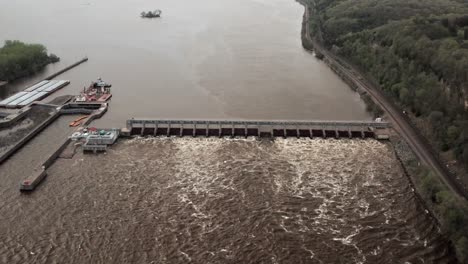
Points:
x=18 y=59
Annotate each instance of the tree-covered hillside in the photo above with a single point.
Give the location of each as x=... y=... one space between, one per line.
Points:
x=18 y=59
x=417 y=50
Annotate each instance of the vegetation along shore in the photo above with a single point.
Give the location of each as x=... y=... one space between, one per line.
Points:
x=18 y=59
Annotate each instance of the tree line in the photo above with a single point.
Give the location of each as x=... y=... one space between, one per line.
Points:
x=18 y=59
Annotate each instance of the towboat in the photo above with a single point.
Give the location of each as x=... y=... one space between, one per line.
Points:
x=98 y=91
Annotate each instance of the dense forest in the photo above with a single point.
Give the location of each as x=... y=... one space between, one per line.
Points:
x=18 y=59
x=417 y=53
x=417 y=50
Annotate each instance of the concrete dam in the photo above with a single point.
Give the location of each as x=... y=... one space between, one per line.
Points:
x=222 y=128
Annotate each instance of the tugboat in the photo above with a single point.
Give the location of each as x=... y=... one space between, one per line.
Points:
x=98 y=91
x=151 y=14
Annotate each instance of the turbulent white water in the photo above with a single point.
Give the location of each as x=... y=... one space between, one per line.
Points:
x=211 y=200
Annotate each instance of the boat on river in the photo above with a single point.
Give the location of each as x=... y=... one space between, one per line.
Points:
x=98 y=91
x=151 y=14
x=77 y=121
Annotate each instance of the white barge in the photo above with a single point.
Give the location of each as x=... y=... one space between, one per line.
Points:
x=33 y=93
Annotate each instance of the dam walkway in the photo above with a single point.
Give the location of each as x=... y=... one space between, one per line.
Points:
x=221 y=128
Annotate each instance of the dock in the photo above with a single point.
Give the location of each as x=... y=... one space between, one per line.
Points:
x=96 y=110
x=98 y=142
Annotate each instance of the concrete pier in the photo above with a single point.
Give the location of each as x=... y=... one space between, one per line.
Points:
x=30 y=183
x=96 y=110
x=222 y=128
x=66 y=69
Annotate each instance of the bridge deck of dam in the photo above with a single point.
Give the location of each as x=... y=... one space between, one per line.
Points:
x=337 y=129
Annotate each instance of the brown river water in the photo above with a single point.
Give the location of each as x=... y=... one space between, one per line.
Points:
x=203 y=59
x=197 y=200
x=193 y=200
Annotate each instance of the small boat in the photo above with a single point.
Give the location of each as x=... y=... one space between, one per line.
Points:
x=77 y=121
x=151 y=14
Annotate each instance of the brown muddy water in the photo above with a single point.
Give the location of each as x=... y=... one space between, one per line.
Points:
x=198 y=200
x=185 y=200
x=226 y=59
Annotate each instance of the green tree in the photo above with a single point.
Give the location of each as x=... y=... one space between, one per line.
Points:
x=453 y=133
x=431 y=186
x=462 y=249
x=18 y=59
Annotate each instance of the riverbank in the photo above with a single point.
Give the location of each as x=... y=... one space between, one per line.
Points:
x=416 y=59
x=441 y=192
x=401 y=122
x=449 y=210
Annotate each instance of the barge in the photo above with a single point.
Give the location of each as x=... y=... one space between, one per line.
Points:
x=98 y=91
x=33 y=93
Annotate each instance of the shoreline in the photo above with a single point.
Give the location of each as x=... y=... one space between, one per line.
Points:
x=419 y=161
x=41 y=68
x=359 y=82
x=312 y=45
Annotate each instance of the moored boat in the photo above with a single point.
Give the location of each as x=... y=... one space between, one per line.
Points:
x=77 y=121
x=98 y=91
